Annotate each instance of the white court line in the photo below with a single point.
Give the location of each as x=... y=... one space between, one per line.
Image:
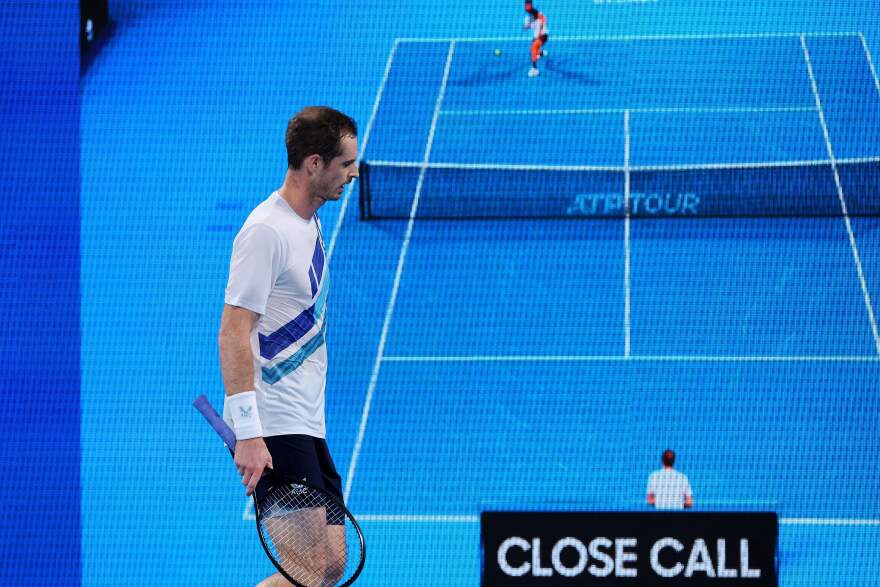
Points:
x=828 y=522
x=427 y=518
x=642 y=358
x=620 y=168
x=664 y=110
x=494 y=166
x=693 y=37
x=846 y=220
x=389 y=312
x=471 y=519
x=626 y=236
x=754 y=165
x=363 y=147
x=870 y=62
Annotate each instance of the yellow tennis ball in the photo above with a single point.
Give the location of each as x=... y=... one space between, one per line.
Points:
x=497 y=52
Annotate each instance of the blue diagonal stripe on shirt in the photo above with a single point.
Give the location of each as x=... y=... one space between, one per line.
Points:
x=288 y=334
x=313 y=282
x=275 y=373
x=318 y=259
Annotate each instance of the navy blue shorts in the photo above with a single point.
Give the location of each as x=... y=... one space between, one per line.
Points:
x=298 y=457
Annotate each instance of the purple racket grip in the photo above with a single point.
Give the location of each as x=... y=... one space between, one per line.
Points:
x=204 y=407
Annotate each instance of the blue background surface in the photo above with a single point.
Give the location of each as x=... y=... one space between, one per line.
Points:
x=524 y=363
x=39 y=294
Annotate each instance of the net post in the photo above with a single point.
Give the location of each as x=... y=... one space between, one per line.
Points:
x=364 y=192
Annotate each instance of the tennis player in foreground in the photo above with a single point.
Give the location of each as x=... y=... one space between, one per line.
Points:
x=273 y=355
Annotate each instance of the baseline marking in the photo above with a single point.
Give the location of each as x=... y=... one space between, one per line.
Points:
x=426 y=518
x=828 y=522
x=389 y=311
x=756 y=165
x=498 y=166
x=629 y=37
x=471 y=519
x=659 y=110
x=846 y=220
x=644 y=358
x=363 y=147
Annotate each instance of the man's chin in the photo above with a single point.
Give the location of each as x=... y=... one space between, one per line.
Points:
x=331 y=197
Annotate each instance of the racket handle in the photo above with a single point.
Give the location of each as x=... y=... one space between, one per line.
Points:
x=205 y=408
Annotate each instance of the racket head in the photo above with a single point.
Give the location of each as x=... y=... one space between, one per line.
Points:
x=309 y=534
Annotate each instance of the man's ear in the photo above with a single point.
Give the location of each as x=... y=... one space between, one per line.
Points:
x=312 y=162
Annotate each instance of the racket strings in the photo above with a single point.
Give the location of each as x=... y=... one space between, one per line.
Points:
x=309 y=535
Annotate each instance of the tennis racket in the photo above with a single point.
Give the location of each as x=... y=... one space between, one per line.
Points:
x=309 y=535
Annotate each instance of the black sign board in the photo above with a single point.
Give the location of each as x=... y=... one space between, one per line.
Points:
x=629 y=548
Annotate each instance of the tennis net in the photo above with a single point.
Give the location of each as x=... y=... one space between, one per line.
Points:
x=805 y=188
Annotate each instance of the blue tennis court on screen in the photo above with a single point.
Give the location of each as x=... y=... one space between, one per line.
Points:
x=558 y=358
x=691 y=125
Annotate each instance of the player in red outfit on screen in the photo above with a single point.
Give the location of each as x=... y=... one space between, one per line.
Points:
x=536 y=21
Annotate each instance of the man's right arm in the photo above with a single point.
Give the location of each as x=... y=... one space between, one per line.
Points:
x=237 y=366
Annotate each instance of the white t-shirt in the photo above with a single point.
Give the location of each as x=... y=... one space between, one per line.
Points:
x=278 y=270
x=669 y=488
x=538 y=25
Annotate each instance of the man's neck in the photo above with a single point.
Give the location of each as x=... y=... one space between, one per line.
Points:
x=294 y=192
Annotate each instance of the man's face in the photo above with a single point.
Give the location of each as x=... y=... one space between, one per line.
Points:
x=331 y=179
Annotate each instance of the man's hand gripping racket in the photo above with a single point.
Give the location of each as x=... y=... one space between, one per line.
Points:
x=309 y=535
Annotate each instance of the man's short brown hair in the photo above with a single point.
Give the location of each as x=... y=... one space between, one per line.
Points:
x=317 y=130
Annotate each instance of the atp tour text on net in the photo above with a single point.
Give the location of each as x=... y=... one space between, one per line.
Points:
x=604 y=557
x=660 y=204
